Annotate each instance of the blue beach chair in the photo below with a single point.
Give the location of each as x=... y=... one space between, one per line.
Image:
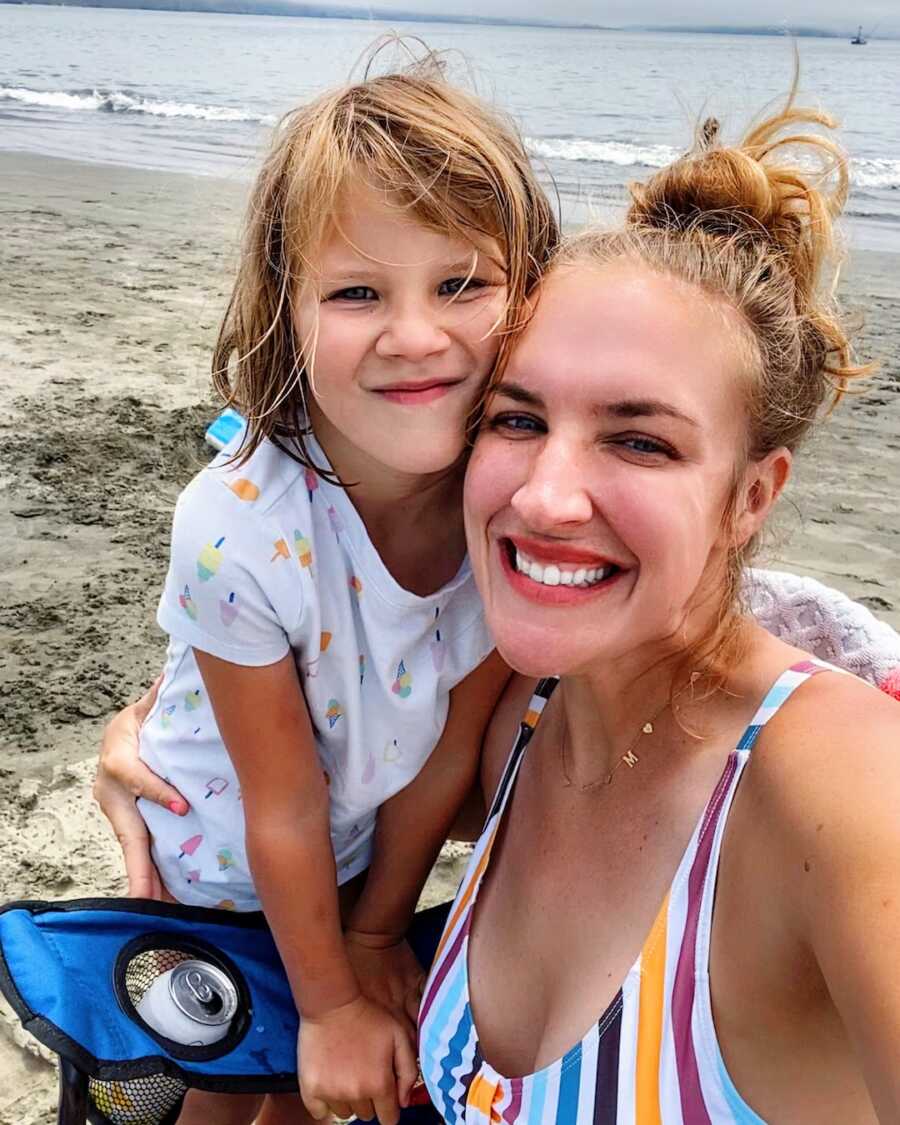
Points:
x=76 y=974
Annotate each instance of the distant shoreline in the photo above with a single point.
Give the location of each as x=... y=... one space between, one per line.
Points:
x=307 y=11
x=301 y=10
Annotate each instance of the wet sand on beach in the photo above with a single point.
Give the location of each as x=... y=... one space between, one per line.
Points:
x=112 y=286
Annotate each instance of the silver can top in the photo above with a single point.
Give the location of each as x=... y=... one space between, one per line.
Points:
x=204 y=993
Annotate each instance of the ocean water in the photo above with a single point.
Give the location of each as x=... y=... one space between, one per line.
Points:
x=200 y=93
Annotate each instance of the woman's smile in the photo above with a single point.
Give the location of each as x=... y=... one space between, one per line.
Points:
x=556 y=574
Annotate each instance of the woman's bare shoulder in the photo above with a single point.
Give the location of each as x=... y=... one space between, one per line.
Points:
x=824 y=780
x=502 y=731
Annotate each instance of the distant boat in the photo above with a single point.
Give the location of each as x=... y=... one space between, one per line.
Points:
x=859 y=40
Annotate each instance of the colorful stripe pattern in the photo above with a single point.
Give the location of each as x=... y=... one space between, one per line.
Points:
x=653 y=1057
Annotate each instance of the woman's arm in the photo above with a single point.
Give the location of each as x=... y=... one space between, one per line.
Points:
x=121 y=778
x=834 y=785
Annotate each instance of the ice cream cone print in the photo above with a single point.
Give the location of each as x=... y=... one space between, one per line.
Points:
x=355 y=585
x=368 y=773
x=209 y=560
x=228 y=610
x=226 y=904
x=402 y=685
x=224 y=858
x=334 y=518
x=165 y=718
x=215 y=787
x=437 y=645
x=362 y=667
x=190 y=846
x=324 y=642
x=244 y=489
x=334 y=712
x=282 y=550
x=192 y=700
x=312 y=482
x=392 y=750
x=303 y=549
x=187 y=603
x=193 y=876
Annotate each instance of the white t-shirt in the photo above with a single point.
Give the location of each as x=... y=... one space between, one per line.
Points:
x=267 y=559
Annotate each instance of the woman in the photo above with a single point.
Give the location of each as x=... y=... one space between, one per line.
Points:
x=623 y=471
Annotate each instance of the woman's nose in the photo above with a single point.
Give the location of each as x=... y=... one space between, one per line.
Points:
x=554 y=491
x=413 y=333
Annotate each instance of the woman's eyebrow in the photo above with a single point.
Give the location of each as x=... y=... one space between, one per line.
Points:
x=518 y=393
x=643 y=408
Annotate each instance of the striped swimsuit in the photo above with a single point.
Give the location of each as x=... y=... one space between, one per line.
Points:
x=653 y=1057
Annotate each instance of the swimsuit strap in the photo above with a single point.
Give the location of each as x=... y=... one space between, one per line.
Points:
x=783 y=688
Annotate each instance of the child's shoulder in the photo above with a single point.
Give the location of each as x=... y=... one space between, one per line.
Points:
x=252 y=487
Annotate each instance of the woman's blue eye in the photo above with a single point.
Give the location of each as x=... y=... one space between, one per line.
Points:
x=647 y=445
x=353 y=293
x=456 y=285
x=520 y=424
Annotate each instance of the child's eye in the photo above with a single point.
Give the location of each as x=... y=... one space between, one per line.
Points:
x=516 y=425
x=454 y=286
x=353 y=293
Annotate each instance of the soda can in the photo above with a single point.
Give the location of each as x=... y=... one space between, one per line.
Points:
x=192 y=1004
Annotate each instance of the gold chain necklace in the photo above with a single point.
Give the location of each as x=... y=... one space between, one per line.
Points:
x=629 y=758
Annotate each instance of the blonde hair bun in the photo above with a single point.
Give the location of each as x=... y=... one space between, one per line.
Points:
x=777 y=184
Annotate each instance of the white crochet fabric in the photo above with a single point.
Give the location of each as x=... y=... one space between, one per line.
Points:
x=824 y=622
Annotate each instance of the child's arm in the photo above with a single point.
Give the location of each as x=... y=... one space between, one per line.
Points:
x=411 y=828
x=353 y=1054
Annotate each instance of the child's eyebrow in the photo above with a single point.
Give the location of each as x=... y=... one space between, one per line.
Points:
x=458 y=267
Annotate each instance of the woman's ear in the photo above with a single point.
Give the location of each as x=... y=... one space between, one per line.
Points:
x=762 y=485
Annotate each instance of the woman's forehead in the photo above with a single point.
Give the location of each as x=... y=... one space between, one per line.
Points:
x=623 y=329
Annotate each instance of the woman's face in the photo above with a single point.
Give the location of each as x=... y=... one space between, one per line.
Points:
x=596 y=491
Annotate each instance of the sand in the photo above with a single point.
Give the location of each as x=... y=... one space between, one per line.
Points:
x=112 y=284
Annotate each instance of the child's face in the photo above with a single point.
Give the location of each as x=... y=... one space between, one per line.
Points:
x=401 y=341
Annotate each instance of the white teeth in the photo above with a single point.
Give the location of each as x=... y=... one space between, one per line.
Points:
x=553 y=575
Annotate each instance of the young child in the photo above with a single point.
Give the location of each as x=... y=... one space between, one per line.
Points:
x=323 y=620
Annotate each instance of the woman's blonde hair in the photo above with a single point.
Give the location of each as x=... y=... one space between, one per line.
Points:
x=458 y=166
x=752 y=224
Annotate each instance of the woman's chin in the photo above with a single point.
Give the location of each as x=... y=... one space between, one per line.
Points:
x=547 y=655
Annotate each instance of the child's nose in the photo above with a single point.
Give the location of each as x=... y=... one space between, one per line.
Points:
x=413 y=334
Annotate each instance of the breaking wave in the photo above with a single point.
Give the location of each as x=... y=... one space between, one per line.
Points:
x=865 y=172
x=601 y=152
x=120 y=101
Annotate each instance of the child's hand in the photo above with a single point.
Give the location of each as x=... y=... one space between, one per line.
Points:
x=388 y=973
x=355 y=1059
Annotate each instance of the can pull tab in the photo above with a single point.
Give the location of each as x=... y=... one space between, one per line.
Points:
x=203 y=993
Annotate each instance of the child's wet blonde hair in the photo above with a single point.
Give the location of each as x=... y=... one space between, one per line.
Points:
x=457 y=165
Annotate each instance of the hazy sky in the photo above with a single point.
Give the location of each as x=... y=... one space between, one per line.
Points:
x=839 y=14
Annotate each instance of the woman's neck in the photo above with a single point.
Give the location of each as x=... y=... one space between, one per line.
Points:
x=606 y=712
